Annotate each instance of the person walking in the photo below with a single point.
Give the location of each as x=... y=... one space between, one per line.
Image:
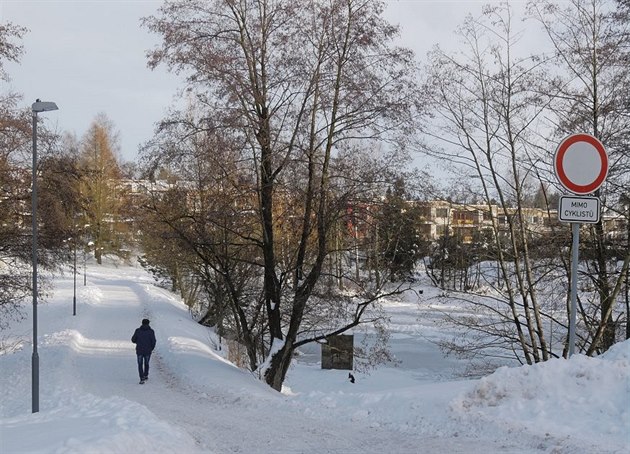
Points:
x=144 y=338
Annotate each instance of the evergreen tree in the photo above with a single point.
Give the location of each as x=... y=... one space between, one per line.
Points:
x=399 y=241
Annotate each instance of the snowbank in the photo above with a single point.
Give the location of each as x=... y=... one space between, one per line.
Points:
x=196 y=401
x=87 y=423
x=585 y=400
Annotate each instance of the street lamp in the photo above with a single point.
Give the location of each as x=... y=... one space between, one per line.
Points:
x=74 y=294
x=85 y=247
x=72 y=243
x=38 y=106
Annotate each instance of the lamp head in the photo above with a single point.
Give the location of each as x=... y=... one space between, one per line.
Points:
x=43 y=106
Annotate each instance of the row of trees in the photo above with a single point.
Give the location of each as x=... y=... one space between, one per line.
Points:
x=296 y=110
x=498 y=114
x=265 y=206
x=77 y=201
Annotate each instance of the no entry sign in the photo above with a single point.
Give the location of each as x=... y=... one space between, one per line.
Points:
x=581 y=163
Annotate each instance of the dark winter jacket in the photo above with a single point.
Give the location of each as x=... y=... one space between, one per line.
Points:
x=144 y=338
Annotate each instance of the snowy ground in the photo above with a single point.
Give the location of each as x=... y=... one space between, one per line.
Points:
x=197 y=402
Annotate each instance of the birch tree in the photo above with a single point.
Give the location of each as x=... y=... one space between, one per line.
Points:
x=590 y=40
x=484 y=124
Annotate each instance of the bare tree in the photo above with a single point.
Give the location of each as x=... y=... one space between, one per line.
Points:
x=590 y=39
x=486 y=111
x=9 y=50
x=14 y=239
x=206 y=245
x=15 y=195
x=297 y=88
x=15 y=133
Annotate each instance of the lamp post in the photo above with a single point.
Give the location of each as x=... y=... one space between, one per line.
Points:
x=74 y=294
x=85 y=248
x=38 y=106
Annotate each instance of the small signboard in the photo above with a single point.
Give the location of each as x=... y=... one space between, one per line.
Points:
x=579 y=209
x=338 y=352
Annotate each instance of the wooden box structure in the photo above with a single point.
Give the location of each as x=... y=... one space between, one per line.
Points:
x=338 y=352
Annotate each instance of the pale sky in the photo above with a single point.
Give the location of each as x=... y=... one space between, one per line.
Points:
x=88 y=56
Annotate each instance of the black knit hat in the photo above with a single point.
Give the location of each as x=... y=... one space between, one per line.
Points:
x=145 y=321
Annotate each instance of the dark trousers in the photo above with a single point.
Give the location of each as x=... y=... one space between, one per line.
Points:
x=143 y=365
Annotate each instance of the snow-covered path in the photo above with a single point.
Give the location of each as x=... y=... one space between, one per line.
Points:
x=210 y=413
x=195 y=401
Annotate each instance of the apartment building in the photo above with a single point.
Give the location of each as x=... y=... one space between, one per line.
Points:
x=438 y=218
x=435 y=218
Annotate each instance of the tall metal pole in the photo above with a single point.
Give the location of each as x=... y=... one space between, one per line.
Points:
x=35 y=358
x=74 y=295
x=575 y=227
x=38 y=106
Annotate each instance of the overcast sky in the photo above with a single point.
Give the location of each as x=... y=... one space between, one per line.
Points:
x=88 y=56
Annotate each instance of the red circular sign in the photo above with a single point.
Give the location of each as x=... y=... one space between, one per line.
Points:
x=581 y=163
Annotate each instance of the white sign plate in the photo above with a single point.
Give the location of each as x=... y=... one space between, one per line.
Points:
x=579 y=209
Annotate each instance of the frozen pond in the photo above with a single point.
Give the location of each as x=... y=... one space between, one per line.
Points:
x=414 y=334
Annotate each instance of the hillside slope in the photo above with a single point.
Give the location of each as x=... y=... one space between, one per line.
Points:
x=196 y=401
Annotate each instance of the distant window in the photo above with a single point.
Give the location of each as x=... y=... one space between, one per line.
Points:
x=424 y=212
x=441 y=212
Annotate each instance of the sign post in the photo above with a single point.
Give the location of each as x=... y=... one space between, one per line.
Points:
x=581 y=166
